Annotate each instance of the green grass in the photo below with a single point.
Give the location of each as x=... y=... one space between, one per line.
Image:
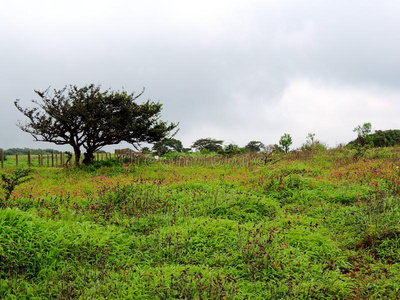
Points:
x=314 y=225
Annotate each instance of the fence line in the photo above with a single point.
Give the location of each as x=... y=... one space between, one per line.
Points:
x=54 y=160
x=58 y=160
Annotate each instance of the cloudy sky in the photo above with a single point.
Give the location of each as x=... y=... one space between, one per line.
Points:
x=232 y=70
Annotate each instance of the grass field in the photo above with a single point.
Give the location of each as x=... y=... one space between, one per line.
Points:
x=313 y=225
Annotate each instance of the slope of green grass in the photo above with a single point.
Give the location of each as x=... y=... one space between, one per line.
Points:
x=311 y=226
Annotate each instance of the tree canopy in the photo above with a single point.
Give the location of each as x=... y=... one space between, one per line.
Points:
x=90 y=118
x=209 y=144
x=364 y=134
x=380 y=138
x=254 y=146
x=285 y=142
x=168 y=145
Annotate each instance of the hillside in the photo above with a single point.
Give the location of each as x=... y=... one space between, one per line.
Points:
x=319 y=225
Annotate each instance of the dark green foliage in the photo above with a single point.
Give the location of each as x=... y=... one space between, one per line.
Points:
x=24 y=151
x=255 y=146
x=381 y=138
x=10 y=181
x=285 y=142
x=145 y=150
x=364 y=139
x=230 y=150
x=364 y=134
x=96 y=165
x=386 y=138
x=167 y=145
x=89 y=118
x=209 y=144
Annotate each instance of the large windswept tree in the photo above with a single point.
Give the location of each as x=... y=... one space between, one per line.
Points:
x=91 y=119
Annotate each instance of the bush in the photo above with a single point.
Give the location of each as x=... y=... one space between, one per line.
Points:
x=230 y=150
x=11 y=181
x=381 y=138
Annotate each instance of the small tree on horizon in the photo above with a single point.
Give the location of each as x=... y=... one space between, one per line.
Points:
x=91 y=119
x=364 y=139
x=167 y=145
x=363 y=134
x=209 y=144
x=285 y=142
x=255 y=146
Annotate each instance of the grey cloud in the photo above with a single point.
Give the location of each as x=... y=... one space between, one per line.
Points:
x=221 y=70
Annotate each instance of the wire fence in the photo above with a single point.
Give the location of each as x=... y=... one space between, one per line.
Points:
x=50 y=160
x=66 y=159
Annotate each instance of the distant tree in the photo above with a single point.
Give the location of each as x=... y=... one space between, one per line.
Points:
x=285 y=142
x=364 y=139
x=310 y=139
x=89 y=118
x=145 y=150
x=274 y=148
x=24 y=151
x=385 y=138
x=313 y=144
x=380 y=138
x=167 y=145
x=254 y=146
x=230 y=149
x=208 y=144
x=364 y=133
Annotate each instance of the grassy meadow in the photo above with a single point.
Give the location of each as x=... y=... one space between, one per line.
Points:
x=309 y=225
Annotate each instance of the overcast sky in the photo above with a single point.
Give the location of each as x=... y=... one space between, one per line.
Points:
x=232 y=70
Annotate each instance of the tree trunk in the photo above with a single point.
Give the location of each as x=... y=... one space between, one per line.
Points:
x=88 y=157
x=77 y=153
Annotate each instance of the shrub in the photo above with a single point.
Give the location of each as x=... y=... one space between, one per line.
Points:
x=11 y=181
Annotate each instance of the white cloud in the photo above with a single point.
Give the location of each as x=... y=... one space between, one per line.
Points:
x=230 y=69
x=331 y=111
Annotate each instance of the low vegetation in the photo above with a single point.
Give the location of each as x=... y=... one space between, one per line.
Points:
x=310 y=224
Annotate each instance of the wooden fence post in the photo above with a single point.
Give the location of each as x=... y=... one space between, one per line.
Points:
x=29 y=158
x=2 y=158
x=16 y=160
x=61 y=159
x=48 y=161
x=52 y=159
x=56 y=160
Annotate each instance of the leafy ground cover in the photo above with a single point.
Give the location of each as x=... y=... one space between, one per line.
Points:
x=311 y=225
